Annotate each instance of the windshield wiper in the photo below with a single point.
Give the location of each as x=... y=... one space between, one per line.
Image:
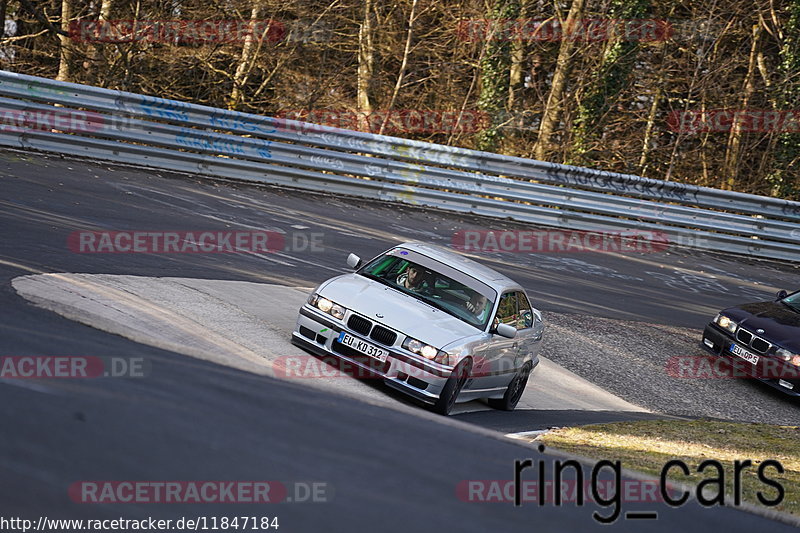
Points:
x=431 y=303
x=376 y=278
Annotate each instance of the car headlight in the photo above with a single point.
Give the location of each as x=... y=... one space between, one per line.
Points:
x=790 y=357
x=426 y=350
x=725 y=323
x=326 y=306
x=337 y=311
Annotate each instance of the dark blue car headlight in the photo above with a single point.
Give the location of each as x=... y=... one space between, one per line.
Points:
x=725 y=323
x=788 y=356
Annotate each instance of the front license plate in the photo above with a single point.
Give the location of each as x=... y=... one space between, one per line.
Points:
x=363 y=347
x=744 y=354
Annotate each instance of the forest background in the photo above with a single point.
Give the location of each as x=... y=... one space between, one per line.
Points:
x=706 y=93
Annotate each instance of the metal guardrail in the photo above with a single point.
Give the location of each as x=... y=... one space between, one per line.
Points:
x=144 y=130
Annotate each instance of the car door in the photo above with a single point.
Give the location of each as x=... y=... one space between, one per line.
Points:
x=529 y=329
x=496 y=363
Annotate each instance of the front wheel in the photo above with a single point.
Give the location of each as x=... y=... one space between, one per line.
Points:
x=452 y=387
x=514 y=391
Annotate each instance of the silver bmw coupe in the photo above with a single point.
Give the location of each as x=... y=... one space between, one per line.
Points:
x=431 y=323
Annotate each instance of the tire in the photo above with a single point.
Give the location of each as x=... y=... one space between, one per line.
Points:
x=514 y=391
x=452 y=387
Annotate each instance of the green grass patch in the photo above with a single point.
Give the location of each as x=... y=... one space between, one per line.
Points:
x=646 y=446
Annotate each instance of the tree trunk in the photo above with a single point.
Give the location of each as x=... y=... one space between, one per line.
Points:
x=65 y=53
x=785 y=175
x=518 y=49
x=95 y=60
x=495 y=69
x=652 y=115
x=553 y=107
x=250 y=48
x=403 y=63
x=366 y=67
x=608 y=81
x=733 y=151
x=648 y=132
x=3 y=6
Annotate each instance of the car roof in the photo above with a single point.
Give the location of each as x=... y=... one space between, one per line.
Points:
x=472 y=268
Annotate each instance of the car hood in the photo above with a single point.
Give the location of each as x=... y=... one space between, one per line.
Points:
x=781 y=325
x=400 y=311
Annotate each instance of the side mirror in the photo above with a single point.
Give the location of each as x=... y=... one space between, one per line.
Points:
x=781 y=294
x=353 y=261
x=506 y=330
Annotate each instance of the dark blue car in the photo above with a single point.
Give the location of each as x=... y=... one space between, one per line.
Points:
x=762 y=339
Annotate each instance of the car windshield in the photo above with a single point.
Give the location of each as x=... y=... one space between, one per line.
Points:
x=793 y=301
x=436 y=284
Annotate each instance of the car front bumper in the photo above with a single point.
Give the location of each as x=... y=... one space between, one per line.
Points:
x=318 y=333
x=720 y=344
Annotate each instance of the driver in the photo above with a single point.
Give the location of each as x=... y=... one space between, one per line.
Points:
x=477 y=305
x=413 y=279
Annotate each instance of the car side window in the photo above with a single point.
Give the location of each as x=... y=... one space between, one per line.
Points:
x=525 y=312
x=507 y=310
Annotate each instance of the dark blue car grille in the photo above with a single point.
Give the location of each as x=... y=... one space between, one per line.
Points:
x=756 y=343
x=744 y=336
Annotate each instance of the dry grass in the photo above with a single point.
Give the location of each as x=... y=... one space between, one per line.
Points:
x=647 y=445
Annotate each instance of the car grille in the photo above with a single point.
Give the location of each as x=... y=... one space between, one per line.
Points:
x=379 y=333
x=370 y=362
x=383 y=335
x=359 y=324
x=744 y=336
x=760 y=345
x=756 y=343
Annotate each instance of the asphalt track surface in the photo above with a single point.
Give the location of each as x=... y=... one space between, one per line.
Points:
x=193 y=420
x=248 y=326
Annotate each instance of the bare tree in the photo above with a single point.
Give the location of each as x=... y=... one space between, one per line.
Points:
x=95 y=60
x=613 y=116
x=733 y=150
x=403 y=64
x=366 y=63
x=65 y=64
x=558 y=88
x=244 y=67
x=495 y=71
